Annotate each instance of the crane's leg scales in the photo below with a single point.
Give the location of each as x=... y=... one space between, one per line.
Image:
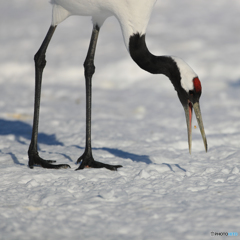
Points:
x=87 y=159
x=40 y=63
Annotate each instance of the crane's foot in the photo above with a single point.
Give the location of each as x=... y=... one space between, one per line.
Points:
x=87 y=161
x=34 y=159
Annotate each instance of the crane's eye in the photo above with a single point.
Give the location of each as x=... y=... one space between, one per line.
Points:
x=191 y=92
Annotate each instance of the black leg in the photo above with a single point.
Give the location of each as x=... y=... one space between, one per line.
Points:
x=87 y=159
x=40 y=63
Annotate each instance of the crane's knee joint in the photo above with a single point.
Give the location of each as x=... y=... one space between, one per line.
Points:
x=40 y=60
x=89 y=68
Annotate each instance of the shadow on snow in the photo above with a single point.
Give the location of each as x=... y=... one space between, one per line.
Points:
x=123 y=154
x=126 y=155
x=24 y=130
x=177 y=165
x=235 y=84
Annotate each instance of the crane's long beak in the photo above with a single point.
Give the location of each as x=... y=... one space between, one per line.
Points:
x=188 y=114
x=198 y=114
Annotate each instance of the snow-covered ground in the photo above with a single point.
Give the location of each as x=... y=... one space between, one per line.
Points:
x=162 y=192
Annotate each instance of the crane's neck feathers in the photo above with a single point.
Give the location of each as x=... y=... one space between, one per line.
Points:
x=149 y=62
x=179 y=73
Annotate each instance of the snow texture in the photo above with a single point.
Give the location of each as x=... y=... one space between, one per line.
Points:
x=162 y=192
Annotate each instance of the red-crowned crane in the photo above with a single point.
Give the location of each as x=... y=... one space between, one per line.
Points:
x=133 y=17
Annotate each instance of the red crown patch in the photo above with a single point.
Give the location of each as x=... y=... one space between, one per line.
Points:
x=197 y=84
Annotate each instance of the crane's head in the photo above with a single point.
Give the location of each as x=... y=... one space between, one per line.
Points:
x=189 y=90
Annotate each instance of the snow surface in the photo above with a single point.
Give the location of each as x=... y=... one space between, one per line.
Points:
x=162 y=192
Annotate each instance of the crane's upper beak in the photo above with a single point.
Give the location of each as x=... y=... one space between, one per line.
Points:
x=188 y=114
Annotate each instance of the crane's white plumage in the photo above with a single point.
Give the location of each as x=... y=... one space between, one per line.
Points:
x=186 y=73
x=133 y=15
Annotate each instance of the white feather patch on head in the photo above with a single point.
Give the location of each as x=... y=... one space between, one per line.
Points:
x=187 y=74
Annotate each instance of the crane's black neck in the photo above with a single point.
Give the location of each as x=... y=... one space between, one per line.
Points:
x=150 y=63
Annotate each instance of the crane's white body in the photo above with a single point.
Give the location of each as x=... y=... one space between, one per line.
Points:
x=133 y=15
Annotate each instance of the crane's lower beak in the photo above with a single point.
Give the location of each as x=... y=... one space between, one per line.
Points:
x=188 y=114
